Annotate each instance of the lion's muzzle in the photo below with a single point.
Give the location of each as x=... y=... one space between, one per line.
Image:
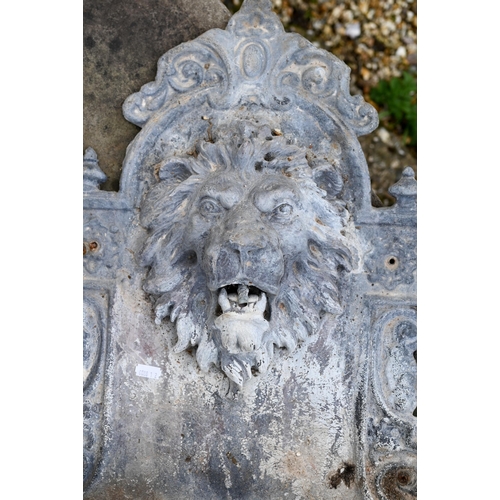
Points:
x=247 y=251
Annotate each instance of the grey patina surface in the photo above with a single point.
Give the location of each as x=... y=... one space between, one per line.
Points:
x=249 y=317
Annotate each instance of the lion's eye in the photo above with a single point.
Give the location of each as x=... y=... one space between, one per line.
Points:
x=283 y=210
x=209 y=207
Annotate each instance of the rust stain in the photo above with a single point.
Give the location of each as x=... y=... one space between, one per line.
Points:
x=400 y=483
x=346 y=473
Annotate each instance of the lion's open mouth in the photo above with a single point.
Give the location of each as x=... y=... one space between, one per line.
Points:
x=242 y=299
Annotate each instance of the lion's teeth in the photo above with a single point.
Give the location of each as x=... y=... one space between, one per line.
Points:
x=242 y=295
x=229 y=302
x=223 y=301
x=260 y=306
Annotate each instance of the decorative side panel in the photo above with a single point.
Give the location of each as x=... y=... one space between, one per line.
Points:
x=95 y=346
x=393 y=261
x=395 y=367
x=103 y=229
x=392 y=403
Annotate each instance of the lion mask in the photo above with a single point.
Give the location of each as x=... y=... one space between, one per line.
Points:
x=246 y=248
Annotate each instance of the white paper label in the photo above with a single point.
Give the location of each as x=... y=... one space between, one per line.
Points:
x=148 y=371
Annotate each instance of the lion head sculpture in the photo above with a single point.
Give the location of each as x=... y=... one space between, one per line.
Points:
x=246 y=248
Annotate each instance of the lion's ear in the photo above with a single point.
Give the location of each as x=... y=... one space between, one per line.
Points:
x=327 y=178
x=175 y=169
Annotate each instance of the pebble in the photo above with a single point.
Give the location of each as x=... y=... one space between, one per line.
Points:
x=347 y=16
x=401 y=52
x=318 y=24
x=387 y=27
x=384 y=135
x=365 y=74
x=353 y=30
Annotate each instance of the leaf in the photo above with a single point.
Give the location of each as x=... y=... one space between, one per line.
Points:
x=398 y=99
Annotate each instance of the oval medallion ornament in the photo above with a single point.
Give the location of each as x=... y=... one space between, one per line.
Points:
x=253 y=60
x=92 y=336
x=396 y=366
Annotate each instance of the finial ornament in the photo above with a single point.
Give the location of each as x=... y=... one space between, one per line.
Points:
x=92 y=174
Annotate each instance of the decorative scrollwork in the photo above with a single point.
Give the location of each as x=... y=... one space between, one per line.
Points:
x=393 y=262
x=314 y=70
x=196 y=66
x=253 y=61
x=100 y=249
x=201 y=67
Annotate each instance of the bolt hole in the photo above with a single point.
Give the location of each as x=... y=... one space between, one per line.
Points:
x=392 y=262
x=93 y=245
x=403 y=478
x=415 y=412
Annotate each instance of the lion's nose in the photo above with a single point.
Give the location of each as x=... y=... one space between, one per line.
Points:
x=244 y=248
x=246 y=244
x=245 y=232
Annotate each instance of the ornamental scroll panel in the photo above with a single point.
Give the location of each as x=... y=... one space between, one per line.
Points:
x=95 y=342
x=249 y=316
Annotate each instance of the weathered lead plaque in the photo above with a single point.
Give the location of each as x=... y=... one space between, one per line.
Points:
x=249 y=317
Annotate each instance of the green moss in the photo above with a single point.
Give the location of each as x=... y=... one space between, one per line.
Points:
x=398 y=101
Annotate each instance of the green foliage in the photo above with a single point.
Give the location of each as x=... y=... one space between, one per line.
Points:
x=398 y=99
